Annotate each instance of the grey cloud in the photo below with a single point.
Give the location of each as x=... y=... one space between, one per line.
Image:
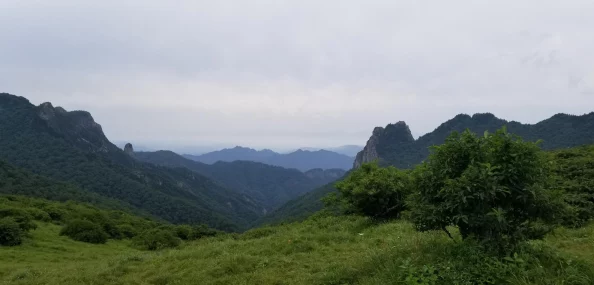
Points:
x=292 y=73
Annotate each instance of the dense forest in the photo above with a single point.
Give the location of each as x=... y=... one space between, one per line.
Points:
x=396 y=146
x=71 y=147
x=271 y=186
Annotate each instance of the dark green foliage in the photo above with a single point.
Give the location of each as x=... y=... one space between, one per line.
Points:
x=493 y=188
x=11 y=233
x=300 y=208
x=270 y=185
x=70 y=146
x=127 y=231
x=155 y=239
x=574 y=173
x=375 y=192
x=85 y=231
x=396 y=147
x=183 y=232
x=21 y=216
x=201 y=231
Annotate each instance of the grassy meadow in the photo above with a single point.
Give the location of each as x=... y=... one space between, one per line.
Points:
x=321 y=250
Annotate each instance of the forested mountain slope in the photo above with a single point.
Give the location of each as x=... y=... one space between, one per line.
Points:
x=271 y=186
x=71 y=147
x=394 y=144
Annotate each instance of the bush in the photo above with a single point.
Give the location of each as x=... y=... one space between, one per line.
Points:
x=85 y=231
x=573 y=171
x=183 y=232
x=11 y=233
x=201 y=231
x=156 y=239
x=374 y=191
x=20 y=216
x=127 y=231
x=39 y=215
x=493 y=188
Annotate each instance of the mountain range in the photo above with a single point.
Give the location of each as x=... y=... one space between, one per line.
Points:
x=268 y=185
x=66 y=156
x=394 y=145
x=302 y=160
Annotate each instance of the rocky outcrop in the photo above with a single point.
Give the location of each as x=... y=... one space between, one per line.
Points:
x=382 y=138
x=129 y=149
x=76 y=126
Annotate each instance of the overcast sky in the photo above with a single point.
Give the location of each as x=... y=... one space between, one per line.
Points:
x=286 y=74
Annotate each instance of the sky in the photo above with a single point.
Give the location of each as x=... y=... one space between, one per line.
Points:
x=288 y=74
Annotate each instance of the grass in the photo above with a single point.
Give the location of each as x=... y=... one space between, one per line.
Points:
x=321 y=250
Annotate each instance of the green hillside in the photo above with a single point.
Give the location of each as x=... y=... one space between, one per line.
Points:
x=271 y=186
x=324 y=250
x=396 y=146
x=71 y=147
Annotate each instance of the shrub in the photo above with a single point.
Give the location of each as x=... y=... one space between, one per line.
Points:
x=493 y=188
x=39 y=214
x=20 y=216
x=374 y=191
x=11 y=233
x=156 y=239
x=127 y=231
x=183 y=232
x=85 y=231
x=201 y=231
x=574 y=173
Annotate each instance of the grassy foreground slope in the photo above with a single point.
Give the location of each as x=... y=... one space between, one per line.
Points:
x=321 y=250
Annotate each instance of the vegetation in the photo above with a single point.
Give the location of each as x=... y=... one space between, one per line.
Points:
x=84 y=230
x=10 y=232
x=492 y=188
x=70 y=147
x=574 y=173
x=375 y=192
x=271 y=186
x=397 y=148
x=321 y=250
x=155 y=239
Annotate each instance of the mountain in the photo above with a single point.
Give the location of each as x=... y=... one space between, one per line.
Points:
x=394 y=144
x=348 y=150
x=71 y=147
x=233 y=154
x=302 y=160
x=271 y=186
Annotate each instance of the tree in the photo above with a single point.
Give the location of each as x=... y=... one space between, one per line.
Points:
x=156 y=239
x=493 y=188
x=85 y=231
x=374 y=191
x=10 y=232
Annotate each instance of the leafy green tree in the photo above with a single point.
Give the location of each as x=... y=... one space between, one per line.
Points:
x=11 y=233
x=493 y=188
x=85 y=231
x=374 y=191
x=20 y=216
x=156 y=239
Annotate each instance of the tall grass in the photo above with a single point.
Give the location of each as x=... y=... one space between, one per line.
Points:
x=321 y=250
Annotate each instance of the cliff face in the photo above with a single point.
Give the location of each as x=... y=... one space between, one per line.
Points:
x=381 y=140
x=76 y=126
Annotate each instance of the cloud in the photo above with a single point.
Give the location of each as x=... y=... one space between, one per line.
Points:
x=288 y=74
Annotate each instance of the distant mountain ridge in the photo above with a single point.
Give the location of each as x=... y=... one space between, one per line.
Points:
x=302 y=160
x=269 y=185
x=394 y=144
